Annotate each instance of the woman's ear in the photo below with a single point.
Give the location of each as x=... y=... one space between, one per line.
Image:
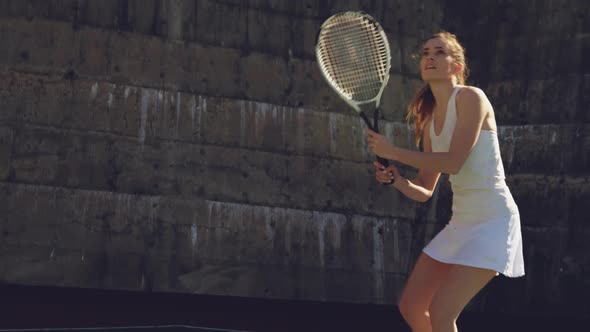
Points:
x=458 y=67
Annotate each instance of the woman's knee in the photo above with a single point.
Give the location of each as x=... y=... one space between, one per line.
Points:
x=405 y=305
x=412 y=311
x=441 y=315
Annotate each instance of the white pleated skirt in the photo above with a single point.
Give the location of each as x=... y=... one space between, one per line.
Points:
x=485 y=234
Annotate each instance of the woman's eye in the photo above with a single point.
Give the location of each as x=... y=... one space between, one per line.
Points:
x=439 y=52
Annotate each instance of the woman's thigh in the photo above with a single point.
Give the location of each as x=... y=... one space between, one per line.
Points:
x=461 y=285
x=425 y=279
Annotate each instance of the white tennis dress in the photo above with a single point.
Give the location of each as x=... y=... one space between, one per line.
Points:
x=484 y=230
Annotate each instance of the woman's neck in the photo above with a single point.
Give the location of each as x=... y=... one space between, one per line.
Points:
x=442 y=93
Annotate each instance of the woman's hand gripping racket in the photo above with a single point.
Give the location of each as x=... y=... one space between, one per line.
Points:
x=353 y=54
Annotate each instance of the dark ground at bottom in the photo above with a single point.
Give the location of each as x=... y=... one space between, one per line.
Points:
x=35 y=307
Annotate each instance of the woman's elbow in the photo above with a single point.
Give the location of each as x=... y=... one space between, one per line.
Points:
x=455 y=168
x=425 y=197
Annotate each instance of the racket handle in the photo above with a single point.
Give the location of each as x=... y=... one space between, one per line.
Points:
x=375 y=127
x=385 y=163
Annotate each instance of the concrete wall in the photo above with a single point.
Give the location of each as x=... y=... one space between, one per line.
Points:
x=193 y=146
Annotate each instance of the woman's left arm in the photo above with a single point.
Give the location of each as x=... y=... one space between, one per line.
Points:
x=471 y=111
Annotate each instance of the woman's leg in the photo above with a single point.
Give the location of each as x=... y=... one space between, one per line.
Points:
x=425 y=279
x=459 y=287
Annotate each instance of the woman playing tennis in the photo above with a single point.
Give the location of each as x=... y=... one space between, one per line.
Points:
x=459 y=136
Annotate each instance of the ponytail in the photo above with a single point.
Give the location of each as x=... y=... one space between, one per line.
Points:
x=421 y=108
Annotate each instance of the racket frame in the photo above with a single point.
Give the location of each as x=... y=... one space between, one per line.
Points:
x=356 y=105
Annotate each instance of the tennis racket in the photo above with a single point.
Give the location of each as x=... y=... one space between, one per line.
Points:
x=354 y=57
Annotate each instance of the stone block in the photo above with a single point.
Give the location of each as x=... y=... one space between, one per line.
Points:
x=549 y=201
x=127 y=58
x=397 y=96
x=62 y=10
x=45 y=46
x=548 y=149
x=218 y=73
x=145 y=16
x=257 y=71
x=103 y=14
x=49 y=266
x=179 y=19
x=308 y=87
x=304 y=31
x=270 y=33
x=553 y=272
x=6 y=142
x=94 y=53
x=222 y=24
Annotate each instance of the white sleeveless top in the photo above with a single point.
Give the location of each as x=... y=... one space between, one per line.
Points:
x=484 y=230
x=482 y=170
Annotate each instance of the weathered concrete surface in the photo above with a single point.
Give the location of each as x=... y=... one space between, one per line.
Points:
x=523 y=54
x=149 y=145
x=180 y=142
x=174 y=243
x=149 y=115
x=137 y=141
x=180 y=244
x=530 y=57
x=278 y=27
x=57 y=48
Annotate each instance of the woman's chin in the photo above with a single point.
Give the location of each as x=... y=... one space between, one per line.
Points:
x=427 y=77
x=435 y=79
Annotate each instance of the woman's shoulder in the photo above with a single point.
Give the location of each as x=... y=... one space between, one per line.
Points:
x=470 y=94
x=470 y=90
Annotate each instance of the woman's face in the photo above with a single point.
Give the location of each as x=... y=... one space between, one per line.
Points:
x=436 y=63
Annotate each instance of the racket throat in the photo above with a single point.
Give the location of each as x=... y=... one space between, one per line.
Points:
x=374 y=123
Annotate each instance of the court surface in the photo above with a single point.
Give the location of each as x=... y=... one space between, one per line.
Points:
x=63 y=309
x=168 y=328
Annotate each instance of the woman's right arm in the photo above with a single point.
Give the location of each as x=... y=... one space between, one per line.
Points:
x=422 y=186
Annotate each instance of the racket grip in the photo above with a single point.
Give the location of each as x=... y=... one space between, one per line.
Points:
x=385 y=163
x=382 y=161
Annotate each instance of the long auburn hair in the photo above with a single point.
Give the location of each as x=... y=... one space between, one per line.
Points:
x=422 y=105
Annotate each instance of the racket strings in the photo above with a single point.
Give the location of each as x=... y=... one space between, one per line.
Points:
x=354 y=55
x=361 y=39
x=356 y=74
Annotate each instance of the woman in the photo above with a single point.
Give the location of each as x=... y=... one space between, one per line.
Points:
x=458 y=130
